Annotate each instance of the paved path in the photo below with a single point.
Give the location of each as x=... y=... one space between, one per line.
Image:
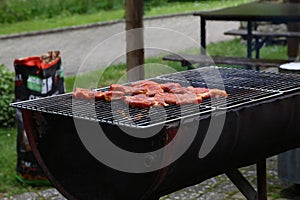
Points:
x=217 y=188
x=171 y=34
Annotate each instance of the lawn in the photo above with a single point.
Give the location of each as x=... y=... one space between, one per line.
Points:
x=8 y=184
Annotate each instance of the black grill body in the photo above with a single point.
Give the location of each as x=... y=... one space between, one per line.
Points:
x=258 y=124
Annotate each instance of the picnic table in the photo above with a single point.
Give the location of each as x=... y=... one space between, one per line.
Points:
x=251 y=12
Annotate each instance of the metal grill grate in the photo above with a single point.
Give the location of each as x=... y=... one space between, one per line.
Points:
x=239 y=78
x=243 y=87
x=116 y=112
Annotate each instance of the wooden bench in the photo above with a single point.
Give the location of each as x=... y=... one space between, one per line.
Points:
x=260 y=34
x=262 y=37
x=188 y=59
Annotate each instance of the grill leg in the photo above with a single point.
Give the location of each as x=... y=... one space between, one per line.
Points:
x=261 y=179
x=246 y=188
x=242 y=184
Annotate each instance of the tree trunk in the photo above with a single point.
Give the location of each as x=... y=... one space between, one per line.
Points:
x=134 y=40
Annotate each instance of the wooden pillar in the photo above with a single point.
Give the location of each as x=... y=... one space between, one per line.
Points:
x=134 y=39
x=293 y=43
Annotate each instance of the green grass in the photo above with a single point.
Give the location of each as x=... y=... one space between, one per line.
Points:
x=65 y=21
x=59 y=22
x=178 y=7
x=238 y=47
x=8 y=183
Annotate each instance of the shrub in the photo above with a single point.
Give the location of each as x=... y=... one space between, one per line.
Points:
x=7 y=114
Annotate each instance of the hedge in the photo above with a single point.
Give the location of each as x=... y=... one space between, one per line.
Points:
x=7 y=114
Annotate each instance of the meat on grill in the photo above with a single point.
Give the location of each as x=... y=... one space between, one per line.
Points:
x=113 y=95
x=148 y=89
x=81 y=93
x=146 y=93
x=180 y=99
x=122 y=88
x=161 y=99
x=143 y=83
x=144 y=101
x=169 y=86
x=216 y=93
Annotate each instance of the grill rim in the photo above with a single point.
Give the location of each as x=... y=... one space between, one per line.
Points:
x=20 y=105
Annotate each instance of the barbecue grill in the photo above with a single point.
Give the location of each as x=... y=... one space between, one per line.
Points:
x=261 y=115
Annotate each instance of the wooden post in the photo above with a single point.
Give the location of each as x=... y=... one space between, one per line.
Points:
x=293 y=43
x=134 y=39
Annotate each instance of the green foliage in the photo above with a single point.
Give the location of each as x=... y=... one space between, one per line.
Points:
x=154 y=3
x=238 y=48
x=149 y=4
x=7 y=114
x=22 y=10
x=8 y=159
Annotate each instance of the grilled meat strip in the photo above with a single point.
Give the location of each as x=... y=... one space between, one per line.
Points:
x=145 y=93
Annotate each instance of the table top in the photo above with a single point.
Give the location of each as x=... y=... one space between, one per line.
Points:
x=256 y=11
